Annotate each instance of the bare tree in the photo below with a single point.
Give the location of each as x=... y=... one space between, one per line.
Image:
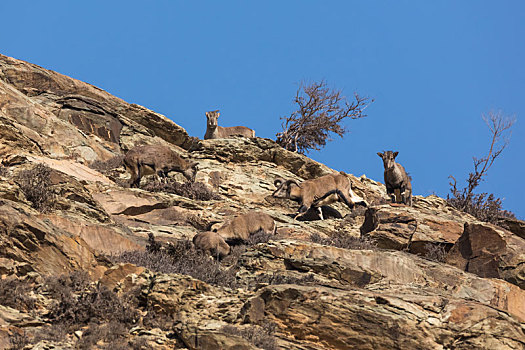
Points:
x=321 y=112
x=484 y=206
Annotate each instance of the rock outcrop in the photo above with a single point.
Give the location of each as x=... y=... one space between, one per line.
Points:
x=285 y=293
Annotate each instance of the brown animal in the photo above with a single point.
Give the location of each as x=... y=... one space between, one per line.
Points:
x=161 y=159
x=241 y=227
x=396 y=178
x=214 y=131
x=212 y=243
x=315 y=193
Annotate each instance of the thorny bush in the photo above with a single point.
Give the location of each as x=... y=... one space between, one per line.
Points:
x=192 y=190
x=183 y=258
x=35 y=183
x=485 y=207
x=260 y=336
x=341 y=239
x=321 y=111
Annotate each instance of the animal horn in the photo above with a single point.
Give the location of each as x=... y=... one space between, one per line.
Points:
x=292 y=182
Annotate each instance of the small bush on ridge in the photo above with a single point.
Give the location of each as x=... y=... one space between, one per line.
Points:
x=192 y=190
x=35 y=183
x=343 y=240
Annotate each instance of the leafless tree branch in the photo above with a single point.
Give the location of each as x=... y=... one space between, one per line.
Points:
x=320 y=113
x=477 y=204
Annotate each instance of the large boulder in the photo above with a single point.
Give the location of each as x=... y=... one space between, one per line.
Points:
x=490 y=251
x=431 y=222
x=324 y=318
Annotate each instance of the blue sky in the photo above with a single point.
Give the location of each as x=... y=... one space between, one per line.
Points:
x=433 y=68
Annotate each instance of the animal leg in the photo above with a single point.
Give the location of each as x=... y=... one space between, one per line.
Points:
x=391 y=194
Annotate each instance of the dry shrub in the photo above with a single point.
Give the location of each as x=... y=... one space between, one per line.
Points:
x=343 y=240
x=113 y=334
x=110 y=169
x=485 y=207
x=183 y=258
x=242 y=246
x=35 y=183
x=15 y=293
x=105 y=166
x=18 y=341
x=260 y=336
x=274 y=279
x=192 y=190
x=78 y=302
x=435 y=252
x=321 y=112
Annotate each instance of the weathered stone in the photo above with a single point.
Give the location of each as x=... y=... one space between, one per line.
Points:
x=490 y=251
x=513 y=225
x=326 y=318
x=412 y=228
x=384 y=271
x=318 y=297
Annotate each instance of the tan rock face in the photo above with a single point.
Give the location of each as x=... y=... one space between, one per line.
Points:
x=489 y=251
x=318 y=297
x=45 y=111
x=385 y=271
x=325 y=318
x=39 y=246
x=412 y=228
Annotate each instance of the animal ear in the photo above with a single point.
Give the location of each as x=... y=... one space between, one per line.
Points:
x=278 y=182
x=395 y=154
x=380 y=154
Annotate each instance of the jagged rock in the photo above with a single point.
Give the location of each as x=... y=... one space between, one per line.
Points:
x=513 y=225
x=412 y=228
x=326 y=318
x=385 y=271
x=58 y=115
x=239 y=149
x=490 y=251
x=319 y=297
x=36 y=245
x=10 y=316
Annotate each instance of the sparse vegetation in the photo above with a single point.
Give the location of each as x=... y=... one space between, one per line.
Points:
x=36 y=184
x=16 y=293
x=106 y=166
x=321 y=111
x=435 y=252
x=343 y=240
x=18 y=341
x=181 y=257
x=484 y=206
x=80 y=302
x=260 y=336
x=110 y=168
x=192 y=190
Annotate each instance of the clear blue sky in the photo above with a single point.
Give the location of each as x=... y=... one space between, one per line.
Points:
x=433 y=68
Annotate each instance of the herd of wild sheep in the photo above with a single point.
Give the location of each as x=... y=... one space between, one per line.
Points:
x=310 y=194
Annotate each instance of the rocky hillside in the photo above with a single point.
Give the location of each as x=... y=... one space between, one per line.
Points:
x=391 y=276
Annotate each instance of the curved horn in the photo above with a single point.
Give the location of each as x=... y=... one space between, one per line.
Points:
x=278 y=182
x=289 y=182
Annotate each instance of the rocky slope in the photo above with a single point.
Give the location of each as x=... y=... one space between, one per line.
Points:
x=313 y=296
